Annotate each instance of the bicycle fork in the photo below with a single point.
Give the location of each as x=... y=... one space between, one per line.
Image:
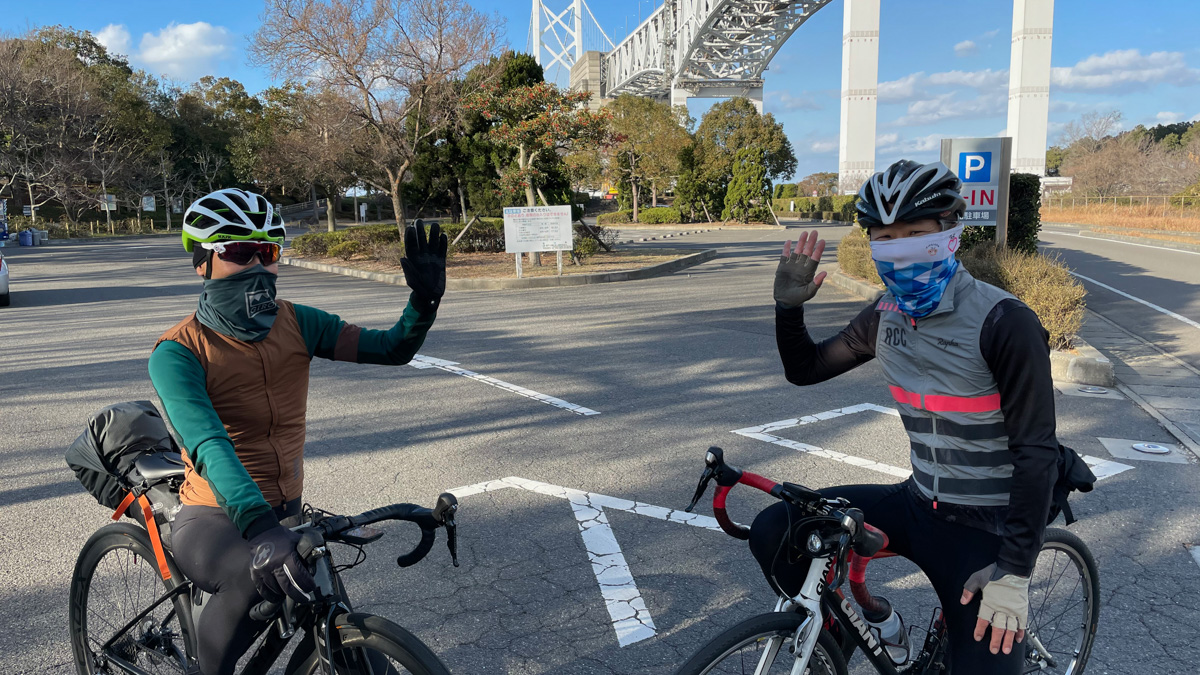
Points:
x=803 y=642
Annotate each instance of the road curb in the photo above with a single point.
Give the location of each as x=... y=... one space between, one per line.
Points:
x=650 y=272
x=1177 y=245
x=664 y=236
x=1085 y=366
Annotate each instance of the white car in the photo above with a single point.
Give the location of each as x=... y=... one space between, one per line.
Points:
x=3 y=281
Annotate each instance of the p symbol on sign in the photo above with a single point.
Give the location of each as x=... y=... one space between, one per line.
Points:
x=975 y=167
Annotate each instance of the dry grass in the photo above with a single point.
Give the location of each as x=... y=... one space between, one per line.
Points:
x=1140 y=217
x=854 y=256
x=1041 y=281
x=502 y=265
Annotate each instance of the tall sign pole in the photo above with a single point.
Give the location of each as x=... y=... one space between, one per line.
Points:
x=860 y=89
x=1029 y=84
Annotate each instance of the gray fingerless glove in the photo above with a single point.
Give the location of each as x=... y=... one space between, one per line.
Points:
x=1005 y=601
x=794 y=280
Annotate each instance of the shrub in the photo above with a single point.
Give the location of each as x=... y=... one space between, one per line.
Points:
x=827 y=215
x=663 y=215
x=615 y=218
x=844 y=205
x=585 y=247
x=777 y=192
x=606 y=234
x=485 y=236
x=806 y=204
x=1024 y=212
x=789 y=191
x=824 y=203
x=388 y=253
x=344 y=250
x=311 y=245
x=1041 y=281
x=854 y=256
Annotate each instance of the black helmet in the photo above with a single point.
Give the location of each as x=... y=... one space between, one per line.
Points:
x=908 y=191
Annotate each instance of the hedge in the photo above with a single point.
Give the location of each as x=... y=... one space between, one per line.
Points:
x=615 y=218
x=1024 y=217
x=663 y=215
x=1041 y=281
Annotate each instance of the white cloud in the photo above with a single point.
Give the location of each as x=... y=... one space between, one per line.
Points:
x=823 y=145
x=785 y=101
x=1166 y=117
x=1124 y=70
x=991 y=34
x=915 y=86
x=116 y=39
x=186 y=51
x=946 y=107
x=965 y=48
x=1194 y=118
x=892 y=145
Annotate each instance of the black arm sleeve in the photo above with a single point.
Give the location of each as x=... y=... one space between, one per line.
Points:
x=1016 y=348
x=807 y=362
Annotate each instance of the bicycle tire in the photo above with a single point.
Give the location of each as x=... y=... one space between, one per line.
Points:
x=1067 y=542
x=774 y=624
x=375 y=634
x=172 y=650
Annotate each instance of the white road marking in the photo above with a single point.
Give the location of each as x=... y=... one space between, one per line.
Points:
x=1127 y=243
x=1151 y=305
x=422 y=362
x=1103 y=468
x=1195 y=551
x=630 y=618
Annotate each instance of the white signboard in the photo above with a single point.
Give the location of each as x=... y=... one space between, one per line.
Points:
x=148 y=203
x=177 y=205
x=109 y=203
x=982 y=164
x=27 y=210
x=537 y=228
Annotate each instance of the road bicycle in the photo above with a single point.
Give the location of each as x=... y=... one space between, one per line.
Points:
x=132 y=611
x=817 y=631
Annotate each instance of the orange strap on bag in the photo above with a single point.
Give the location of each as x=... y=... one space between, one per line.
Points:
x=160 y=555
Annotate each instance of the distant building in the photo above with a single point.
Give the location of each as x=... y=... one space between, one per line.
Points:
x=588 y=75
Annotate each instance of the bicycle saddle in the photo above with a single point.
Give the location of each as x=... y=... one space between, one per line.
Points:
x=155 y=467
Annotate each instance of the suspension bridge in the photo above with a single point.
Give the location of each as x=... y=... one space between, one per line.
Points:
x=722 y=48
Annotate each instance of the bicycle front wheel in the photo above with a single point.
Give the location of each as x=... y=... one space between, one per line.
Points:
x=372 y=645
x=1064 y=606
x=762 y=645
x=116 y=579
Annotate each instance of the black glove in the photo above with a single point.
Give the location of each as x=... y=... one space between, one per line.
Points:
x=276 y=567
x=424 y=265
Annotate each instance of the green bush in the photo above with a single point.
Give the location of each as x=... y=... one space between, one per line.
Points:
x=1024 y=217
x=844 y=205
x=311 y=245
x=824 y=203
x=615 y=218
x=827 y=215
x=854 y=256
x=585 y=247
x=789 y=191
x=486 y=235
x=344 y=250
x=806 y=204
x=663 y=215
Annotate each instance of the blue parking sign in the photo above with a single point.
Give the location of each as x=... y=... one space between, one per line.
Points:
x=975 y=167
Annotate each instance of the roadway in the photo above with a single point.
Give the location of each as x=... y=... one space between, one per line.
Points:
x=672 y=365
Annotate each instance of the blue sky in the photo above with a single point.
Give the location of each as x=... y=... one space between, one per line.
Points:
x=943 y=64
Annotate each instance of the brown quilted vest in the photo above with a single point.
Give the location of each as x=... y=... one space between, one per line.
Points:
x=260 y=392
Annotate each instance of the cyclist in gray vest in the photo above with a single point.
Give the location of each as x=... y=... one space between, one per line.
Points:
x=969 y=369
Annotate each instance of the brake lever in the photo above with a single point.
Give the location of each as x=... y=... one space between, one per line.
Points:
x=452 y=539
x=447 y=507
x=843 y=564
x=705 y=477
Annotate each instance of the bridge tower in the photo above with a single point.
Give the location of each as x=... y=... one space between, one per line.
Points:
x=860 y=87
x=1029 y=84
x=559 y=35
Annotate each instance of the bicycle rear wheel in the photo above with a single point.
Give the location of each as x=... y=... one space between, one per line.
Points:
x=1064 y=606
x=760 y=645
x=372 y=645
x=116 y=578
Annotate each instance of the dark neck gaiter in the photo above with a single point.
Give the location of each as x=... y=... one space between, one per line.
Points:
x=241 y=306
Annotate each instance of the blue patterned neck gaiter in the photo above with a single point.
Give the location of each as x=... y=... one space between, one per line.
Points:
x=917 y=270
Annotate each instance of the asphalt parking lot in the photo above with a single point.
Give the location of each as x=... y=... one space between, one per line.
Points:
x=567 y=564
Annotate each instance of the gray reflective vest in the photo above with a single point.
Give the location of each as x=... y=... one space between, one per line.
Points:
x=947 y=395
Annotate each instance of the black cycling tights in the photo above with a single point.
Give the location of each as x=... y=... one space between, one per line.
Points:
x=210 y=551
x=947 y=553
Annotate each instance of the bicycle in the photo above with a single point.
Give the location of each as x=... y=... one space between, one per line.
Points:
x=817 y=631
x=147 y=623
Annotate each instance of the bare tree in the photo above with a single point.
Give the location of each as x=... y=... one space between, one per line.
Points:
x=1088 y=133
x=393 y=60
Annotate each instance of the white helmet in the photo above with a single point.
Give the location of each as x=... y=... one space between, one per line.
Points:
x=231 y=215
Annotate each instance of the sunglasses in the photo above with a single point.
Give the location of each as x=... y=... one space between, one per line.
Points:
x=242 y=252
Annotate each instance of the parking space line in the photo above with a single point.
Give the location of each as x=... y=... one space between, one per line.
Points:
x=422 y=362
x=1103 y=468
x=1119 y=241
x=630 y=618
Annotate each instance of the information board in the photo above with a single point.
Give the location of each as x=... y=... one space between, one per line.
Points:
x=108 y=203
x=148 y=203
x=537 y=228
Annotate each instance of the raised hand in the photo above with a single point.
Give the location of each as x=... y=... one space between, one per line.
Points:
x=424 y=265
x=796 y=278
